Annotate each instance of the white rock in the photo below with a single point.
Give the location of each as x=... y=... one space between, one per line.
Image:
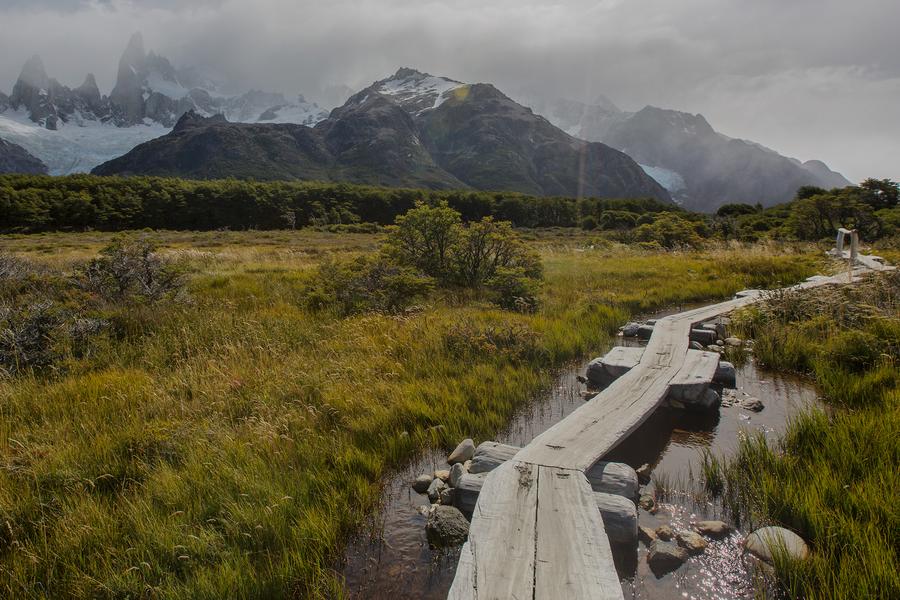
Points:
x=765 y=542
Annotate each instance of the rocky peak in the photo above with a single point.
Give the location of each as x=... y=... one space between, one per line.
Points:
x=192 y=118
x=33 y=74
x=415 y=91
x=128 y=92
x=88 y=91
x=34 y=91
x=663 y=119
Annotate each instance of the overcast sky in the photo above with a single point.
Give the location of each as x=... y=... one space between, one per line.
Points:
x=809 y=78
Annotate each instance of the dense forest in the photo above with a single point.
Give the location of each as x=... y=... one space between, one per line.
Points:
x=34 y=203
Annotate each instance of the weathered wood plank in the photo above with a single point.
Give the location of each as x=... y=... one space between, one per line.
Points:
x=501 y=537
x=464 y=584
x=574 y=559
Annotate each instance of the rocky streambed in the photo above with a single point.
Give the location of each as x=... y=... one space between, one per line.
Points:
x=411 y=547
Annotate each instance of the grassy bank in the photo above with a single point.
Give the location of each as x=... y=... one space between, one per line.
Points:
x=835 y=476
x=226 y=444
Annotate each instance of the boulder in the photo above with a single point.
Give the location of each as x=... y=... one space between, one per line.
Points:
x=752 y=404
x=647 y=502
x=766 y=542
x=713 y=529
x=646 y=535
x=456 y=472
x=645 y=331
x=665 y=557
x=726 y=374
x=467 y=491
x=490 y=455
x=631 y=329
x=442 y=474
x=613 y=478
x=704 y=336
x=696 y=346
x=421 y=483
x=434 y=490
x=446 y=526
x=619 y=518
x=463 y=452
x=665 y=532
x=446 y=497
x=643 y=474
x=733 y=342
x=691 y=541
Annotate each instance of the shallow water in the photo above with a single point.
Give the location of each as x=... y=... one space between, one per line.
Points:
x=392 y=559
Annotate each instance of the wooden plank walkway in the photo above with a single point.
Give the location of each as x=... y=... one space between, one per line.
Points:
x=536 y=532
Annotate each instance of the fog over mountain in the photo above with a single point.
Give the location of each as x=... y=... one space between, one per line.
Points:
x=812 y=79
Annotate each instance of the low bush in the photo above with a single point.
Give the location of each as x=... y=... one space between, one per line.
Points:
x=130 y=269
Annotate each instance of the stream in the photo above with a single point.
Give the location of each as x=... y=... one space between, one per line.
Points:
x=391 y=558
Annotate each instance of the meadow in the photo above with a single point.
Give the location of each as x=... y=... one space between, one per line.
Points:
x=227 y=441
x=834 y=476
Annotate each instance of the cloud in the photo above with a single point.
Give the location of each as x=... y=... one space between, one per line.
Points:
x=816 y=78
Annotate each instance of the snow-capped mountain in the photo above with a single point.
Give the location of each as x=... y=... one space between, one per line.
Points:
x=702 y=168
x=74 y=130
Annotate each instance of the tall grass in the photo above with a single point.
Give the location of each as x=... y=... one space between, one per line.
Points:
x=229 y=445
x=835 y=476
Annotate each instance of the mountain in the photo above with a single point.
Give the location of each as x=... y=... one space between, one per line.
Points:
x=76 y=129
x=411 y=129
x=16 y=159
x=701 y=168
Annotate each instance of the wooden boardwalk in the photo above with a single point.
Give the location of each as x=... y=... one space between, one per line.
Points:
x=536 y=532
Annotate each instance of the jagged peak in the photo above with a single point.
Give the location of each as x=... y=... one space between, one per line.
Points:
x=33 y=73
x=135 y=47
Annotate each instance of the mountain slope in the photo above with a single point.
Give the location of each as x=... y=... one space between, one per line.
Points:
x=412 y=129
x=702 y=168
x=15 y=159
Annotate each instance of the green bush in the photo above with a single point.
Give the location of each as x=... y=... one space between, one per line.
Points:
x=366 y=284
x=513 y=289
x=130 y=269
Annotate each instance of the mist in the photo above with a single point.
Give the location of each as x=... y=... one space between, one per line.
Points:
x=811 y=79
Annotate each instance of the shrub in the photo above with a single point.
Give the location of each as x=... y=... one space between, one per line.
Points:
x=27 y=336
x=589 y=223
x=423 y=238
x=670 y=231
x=130 y=269
x=513 y=289
x=365 y=283
x=486 y=246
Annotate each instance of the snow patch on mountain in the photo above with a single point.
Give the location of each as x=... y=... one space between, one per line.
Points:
x=420 y=91
x=75 y=148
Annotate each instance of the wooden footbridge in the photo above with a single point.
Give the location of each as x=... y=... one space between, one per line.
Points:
x=536 y=532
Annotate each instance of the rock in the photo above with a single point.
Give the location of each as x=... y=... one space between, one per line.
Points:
x=443 y=475
x=696 y=346
x=704 y=336
x=434 y=490
x=446 y=497
x=456 y=473
x=646 y=535
x=446 y=526
x=587 y=394
x=581 y=379
x=619 y=518
x=665 y=532
x=752 y=404
x=715 y=348
x=421 y=483
x=630 y=329
x=645 y=331
x=765 y=542
x=713 y=529
x=613 y=478
x=490 y=455
x=733 y=342
x=647 y=502
x=691 y=541
x=463 y=452
x=665 y=557
x=643 y=474
x=726 y=374
x=467 y=491
x=467 y=465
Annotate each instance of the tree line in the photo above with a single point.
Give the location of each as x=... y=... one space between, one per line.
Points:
x=35 y=203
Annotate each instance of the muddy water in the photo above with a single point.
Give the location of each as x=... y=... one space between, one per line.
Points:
x=392 y=559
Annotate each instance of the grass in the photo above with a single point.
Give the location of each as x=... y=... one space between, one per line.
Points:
x=227 y=446
x=835 y=476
